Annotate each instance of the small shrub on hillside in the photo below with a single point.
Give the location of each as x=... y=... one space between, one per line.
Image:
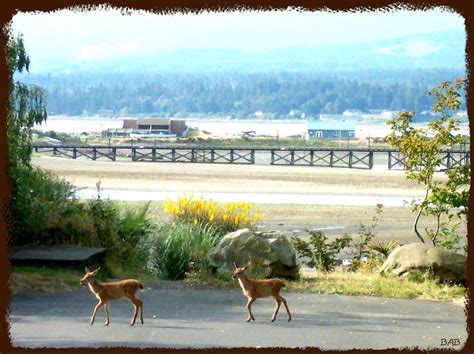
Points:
x=449 y=237
x=365 y=234
x=180 y=247
x=320 y=253
x=228 y=217
x=382 y=249
x=377 y=253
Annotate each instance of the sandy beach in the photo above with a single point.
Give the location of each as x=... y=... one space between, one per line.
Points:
x=188 y=177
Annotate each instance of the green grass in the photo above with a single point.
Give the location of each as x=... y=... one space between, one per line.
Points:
x=25 y=279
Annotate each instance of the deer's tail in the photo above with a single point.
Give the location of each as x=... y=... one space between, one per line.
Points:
x=141 y=287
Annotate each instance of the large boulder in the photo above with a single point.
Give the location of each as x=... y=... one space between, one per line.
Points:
x=447 y=265
x=270 y=253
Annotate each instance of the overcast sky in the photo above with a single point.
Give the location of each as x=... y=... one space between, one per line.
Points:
x=104 y=34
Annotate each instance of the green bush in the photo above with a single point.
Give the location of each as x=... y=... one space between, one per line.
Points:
x=44 y=211
x=105 y=217
x=319 y=253
x=38 y=199
x=177 y=248
x=133 y=228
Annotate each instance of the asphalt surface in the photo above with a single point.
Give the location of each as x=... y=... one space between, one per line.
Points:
x=188 y=318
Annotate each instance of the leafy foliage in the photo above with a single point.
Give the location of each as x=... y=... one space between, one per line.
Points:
x=26 y=107
x=318 y=252
x=39 y=199
x=421 y=149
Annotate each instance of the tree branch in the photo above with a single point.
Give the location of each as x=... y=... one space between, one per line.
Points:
x=437 y=229
x=415 y=226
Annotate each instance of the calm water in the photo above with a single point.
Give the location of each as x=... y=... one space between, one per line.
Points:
x=222 y=127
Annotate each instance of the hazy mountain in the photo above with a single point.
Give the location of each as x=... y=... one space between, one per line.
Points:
x=444 y=49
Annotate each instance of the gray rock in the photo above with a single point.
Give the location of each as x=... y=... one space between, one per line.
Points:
x=268 y=252
x=447 y=265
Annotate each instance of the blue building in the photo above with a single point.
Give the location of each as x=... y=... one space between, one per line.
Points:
x=330 y=130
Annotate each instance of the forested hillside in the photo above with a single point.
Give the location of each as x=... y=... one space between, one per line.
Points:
x=239 y=95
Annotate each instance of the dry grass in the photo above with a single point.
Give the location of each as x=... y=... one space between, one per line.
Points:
x=372 y=284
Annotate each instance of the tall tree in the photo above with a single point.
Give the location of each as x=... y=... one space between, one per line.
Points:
x=26 y=106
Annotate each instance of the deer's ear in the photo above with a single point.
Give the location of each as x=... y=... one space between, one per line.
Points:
x=244 y=268
x=96 y=271
x=235 y=265
x=87 y=270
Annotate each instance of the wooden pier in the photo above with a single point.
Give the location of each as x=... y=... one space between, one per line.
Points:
x=351 y=158
x=196 y=155
x=324 y=157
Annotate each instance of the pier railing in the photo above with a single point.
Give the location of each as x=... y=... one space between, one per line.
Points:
x=361 y=158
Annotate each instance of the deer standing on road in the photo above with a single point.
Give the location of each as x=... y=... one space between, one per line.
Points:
x=111 y=291
x=254 y=288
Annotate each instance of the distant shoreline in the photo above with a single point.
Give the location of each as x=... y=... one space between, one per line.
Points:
x=218 y=127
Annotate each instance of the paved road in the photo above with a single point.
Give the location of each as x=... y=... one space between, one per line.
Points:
x=181 y=318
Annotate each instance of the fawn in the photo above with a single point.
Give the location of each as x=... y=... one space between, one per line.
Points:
x=111 y=291
x=254 y=288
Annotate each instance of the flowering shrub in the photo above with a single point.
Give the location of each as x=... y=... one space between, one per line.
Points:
x=228 y=217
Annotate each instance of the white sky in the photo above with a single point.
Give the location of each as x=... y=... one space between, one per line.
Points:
x=103 y=34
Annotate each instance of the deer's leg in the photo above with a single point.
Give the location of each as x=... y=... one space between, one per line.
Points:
x=107 y=320
x=249 y=309
x=286 y=306
x=141 y=312
x=136 y=305
x=278 y=303
x=95 y=311
x=140 y=307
